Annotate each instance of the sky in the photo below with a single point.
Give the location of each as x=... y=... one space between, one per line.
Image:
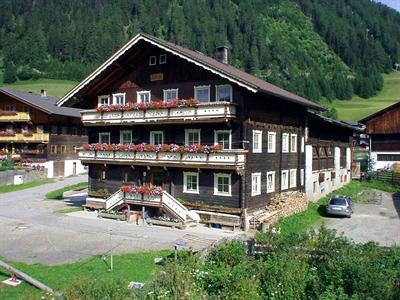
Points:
x=392 y=3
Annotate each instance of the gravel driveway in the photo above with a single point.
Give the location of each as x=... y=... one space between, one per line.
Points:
x=31 y=231
x=379 y=221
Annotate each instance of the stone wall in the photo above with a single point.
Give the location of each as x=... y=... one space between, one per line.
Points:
x=8 y=177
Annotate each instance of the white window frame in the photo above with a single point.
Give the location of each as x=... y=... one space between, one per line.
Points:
x=103 y=134
x=185 y=190
x=139 y=93
x=259 y=133
x=121 y=133
x=293 y=148
x=292 y=183
x=114 y=96
x=273 y=142
x=302 y=144
x=285 y=185
x=201 y=87
x=216 y=192
x=301 y=177
x=217 y=92
x=255 y=190
x=272 y=189
x=169 y=90
x=152 y=133
x=285 y=148
x=152 y=60
x=187 y=131
x=223 y=131
x=162 y=59
x=102 y=97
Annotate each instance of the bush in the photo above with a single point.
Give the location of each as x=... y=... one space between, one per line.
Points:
x=10 y=74
x=25 y=73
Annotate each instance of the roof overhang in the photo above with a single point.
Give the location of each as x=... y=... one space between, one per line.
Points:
x=25 y=102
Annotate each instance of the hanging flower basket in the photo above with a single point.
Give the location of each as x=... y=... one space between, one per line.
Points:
x=150 y=105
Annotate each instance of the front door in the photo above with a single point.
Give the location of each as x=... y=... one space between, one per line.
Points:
x=160 y=178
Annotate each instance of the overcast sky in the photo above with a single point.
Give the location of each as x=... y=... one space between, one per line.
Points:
x=392 y=3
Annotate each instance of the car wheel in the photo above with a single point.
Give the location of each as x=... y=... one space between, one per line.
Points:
x=349 y=216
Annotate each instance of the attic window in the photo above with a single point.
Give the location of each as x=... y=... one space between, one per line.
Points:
x=152 y=60
x=163 y=59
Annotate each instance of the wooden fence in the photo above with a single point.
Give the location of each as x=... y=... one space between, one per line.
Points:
x=391 y=177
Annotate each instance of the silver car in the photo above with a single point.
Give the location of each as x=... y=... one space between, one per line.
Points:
x=340 y=206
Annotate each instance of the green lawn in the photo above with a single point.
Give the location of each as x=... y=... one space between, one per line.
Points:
x=57 y=88
x=57 y=194
x=358 y=108
x=12 y=187
x=316 y=210
x=127 y=267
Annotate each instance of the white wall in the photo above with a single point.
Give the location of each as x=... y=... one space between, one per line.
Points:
x=315 y=189
x=69 y=167
x=382 y=164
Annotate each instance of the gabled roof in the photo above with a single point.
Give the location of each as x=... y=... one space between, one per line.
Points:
x=229 y=72
x=381 y=112
x=46 y=104
x=344 y=124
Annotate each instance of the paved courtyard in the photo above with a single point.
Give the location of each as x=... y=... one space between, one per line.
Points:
x=379 y=221
x=32 y=231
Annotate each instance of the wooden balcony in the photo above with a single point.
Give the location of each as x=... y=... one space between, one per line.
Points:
x=26 y=138
x=17 y=117
x=207 y=112
x=226 y=159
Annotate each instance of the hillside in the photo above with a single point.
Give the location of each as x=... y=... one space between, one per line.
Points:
x=358 y=108
x=318 y=49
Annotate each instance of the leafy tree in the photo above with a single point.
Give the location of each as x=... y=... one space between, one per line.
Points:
x=10 y=74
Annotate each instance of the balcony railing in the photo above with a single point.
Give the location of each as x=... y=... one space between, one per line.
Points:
x=15 y=117
x=201 y=113
x=225 y=159
x=26 y=137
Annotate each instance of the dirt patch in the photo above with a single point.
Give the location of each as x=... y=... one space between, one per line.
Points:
x=369 y=196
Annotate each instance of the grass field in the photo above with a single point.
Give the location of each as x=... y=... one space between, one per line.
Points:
x=57 y=194
x=18 y=187
x=127 y=267
x=57 y=88
x=358 y=108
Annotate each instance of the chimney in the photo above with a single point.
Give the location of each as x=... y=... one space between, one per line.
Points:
x=43 y=93
x=222 y=54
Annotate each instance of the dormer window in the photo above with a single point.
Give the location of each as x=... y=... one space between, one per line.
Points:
x=223 y=93
x=152 y=60
x=103 y=100
x=163 y=59
x=119 y=99
x=170 y=94
x=143 y=97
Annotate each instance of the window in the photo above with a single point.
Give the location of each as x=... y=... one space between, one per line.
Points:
x=302 y=177
x=257 y=141
x=119 y=99
x=152 y=60
x=64 y=130
x=156 y=137
x=103 y=100
x=75 y=148
x=223 y=138
x=143 y=97
x=54 y=129
x=63 y=148
x=284 y=180
x=314 y=187
x=53 y=149
x=163 y=59
x=293 y=142
x=126 y=176
x=103 y=175
x=387 y=157
x=302 y=144
x=271 y=142
x=293 y=178
x=202 y=93
x=222 y=184
x=271 y=182
x=104 y=138
x=192 y=136
x=170 y=94
x=223 y=93
x=74 y=131
x=255 y=184
x=125 y=137
x=40 y=129
x=191 y=182
x=10 y=107
x=285 y=142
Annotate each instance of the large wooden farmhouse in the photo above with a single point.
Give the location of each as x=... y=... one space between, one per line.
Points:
x=383 y=127
x=33 y=129
x=171 y=129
